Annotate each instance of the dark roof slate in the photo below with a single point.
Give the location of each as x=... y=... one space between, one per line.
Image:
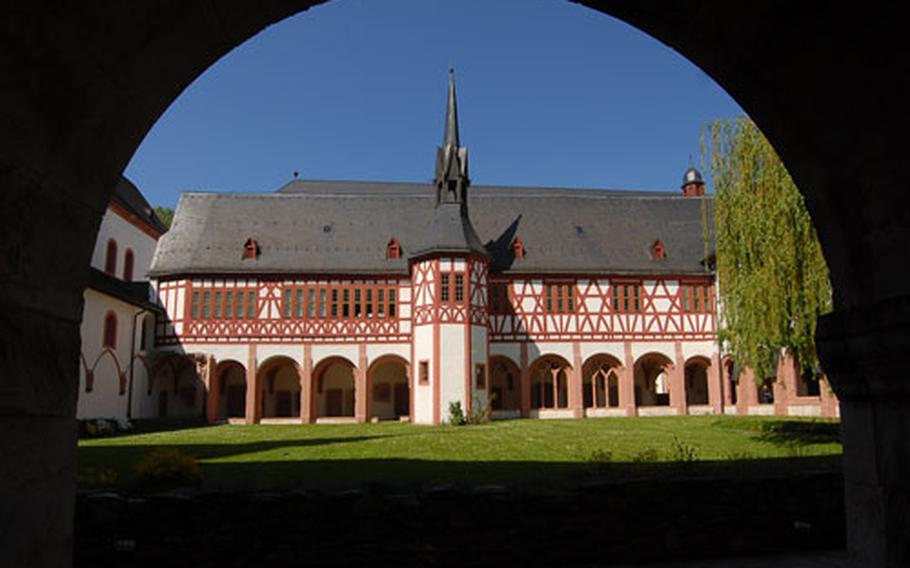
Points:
x=129 y=196
x=338 y=227
x=135 y=293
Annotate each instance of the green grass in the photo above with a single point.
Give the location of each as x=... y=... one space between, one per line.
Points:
x=515 y=452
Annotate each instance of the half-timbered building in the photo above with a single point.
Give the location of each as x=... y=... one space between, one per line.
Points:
x=331 y=300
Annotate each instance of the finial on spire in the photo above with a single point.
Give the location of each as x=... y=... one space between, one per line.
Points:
x=450 y=136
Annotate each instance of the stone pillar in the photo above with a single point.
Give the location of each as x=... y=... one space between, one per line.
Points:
x=253 y=404
x=627 y=383
x=716 y=384
x=864 y=352
x=306 y=385
x=576 y=383
x=677 y=376
x=524 y=384
x=213 y=386
x=360 y=385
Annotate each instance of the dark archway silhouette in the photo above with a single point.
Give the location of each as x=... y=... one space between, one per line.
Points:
x=84 y=83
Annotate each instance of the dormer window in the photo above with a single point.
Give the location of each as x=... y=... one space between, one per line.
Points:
x=658 y=251
x=250 y=250
x=518 y=248
x=392 y=249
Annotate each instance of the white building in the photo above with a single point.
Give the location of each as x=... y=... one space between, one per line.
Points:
x=119 y=312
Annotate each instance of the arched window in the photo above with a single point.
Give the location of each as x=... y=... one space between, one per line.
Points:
x=128 y=265
x=109 y=338
x=110 y=259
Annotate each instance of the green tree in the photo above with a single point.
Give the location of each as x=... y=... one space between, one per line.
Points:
x=166 y=214
x=771 y=273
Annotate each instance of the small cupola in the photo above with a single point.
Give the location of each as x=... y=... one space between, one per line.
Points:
x=693 y=184
x=250 y=250
x=658 y=250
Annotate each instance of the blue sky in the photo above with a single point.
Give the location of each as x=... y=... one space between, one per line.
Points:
x=549 y=93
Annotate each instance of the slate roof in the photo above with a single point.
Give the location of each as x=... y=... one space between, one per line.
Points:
x=340 y=227
x=129 y=196
x=135 y=293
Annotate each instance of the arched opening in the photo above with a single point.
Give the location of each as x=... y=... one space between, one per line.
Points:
x=652 y=380
x=188 y=388
x=765 y=391
x=731 y=376
x=505 y=387
x=389 y=389
x=110 y=257
x=279 y=384
x=334 y=389
x=600 y=375
x=550 y=383
x=232 y=390
x=696 y=377
x=128 y=261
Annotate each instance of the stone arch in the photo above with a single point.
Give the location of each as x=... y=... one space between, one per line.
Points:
x=730 y=45
x=696 y=380
x=278 y=382
x=652 y=379
x=600 y=381
x=505 y=385
x=334 y=388
x=550 y=376
x=388 y=388
x=230 y=390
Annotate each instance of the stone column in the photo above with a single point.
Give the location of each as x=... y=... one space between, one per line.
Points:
x=864 y=352
x=306 y=385
x=213 y=386
x=576 y=383
x=524 y=384
x=360 y=385
x=252 y=388
x=627 y=382
x=716 y=384
x=677 y=376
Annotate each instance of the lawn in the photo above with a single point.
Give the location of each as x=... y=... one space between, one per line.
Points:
x=514 y=452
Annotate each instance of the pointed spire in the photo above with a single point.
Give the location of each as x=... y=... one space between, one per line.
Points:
x=450 y=136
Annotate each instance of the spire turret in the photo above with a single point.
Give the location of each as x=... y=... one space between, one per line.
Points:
x=450 y=136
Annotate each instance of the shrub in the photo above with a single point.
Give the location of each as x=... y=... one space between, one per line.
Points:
x=168 y=467
x=456 y=414
x=91 y=476
x=482 y=410
x=647 y=455
x=683 y=452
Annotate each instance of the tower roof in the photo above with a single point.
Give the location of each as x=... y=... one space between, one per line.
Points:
x=450 y=135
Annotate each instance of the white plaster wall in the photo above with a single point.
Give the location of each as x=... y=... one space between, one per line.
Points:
x=479 y=356
x=324 y=351
x=239 y=352
x=265 y=351
x=423 y=394
x=615 y=348
x=563 y=349
x=510 y=350
x=640 y=348
x=127 y=236
x=703 y=348
x=377 y=350
x=286 y=379
x=451 y=367
x=105 y=400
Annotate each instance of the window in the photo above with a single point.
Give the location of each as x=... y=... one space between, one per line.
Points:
x=559 y=298
x=518 y=248
x=250 y=250
x=459 y=288
x=392 y=302
x=658 y=251
x=626 y=298
x=194 y=306
x=444 y=288
x=480 y=376
x=392 y=249
x=109 y=337
x=500 y=298
x=232 y=303
x=697 y=298
x=128 y=261
x=424 y=373
x=110 y=258
x=339 y=302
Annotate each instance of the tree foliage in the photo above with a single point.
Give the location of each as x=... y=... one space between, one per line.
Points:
x=771 y=273
x=166 y=214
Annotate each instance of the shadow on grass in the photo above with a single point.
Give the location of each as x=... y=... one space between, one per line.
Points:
x=800 y=433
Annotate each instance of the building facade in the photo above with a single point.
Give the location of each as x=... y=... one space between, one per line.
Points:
x=119 y=310
x=330 y=301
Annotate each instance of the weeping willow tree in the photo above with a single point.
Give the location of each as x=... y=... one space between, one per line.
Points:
x=771 y=273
